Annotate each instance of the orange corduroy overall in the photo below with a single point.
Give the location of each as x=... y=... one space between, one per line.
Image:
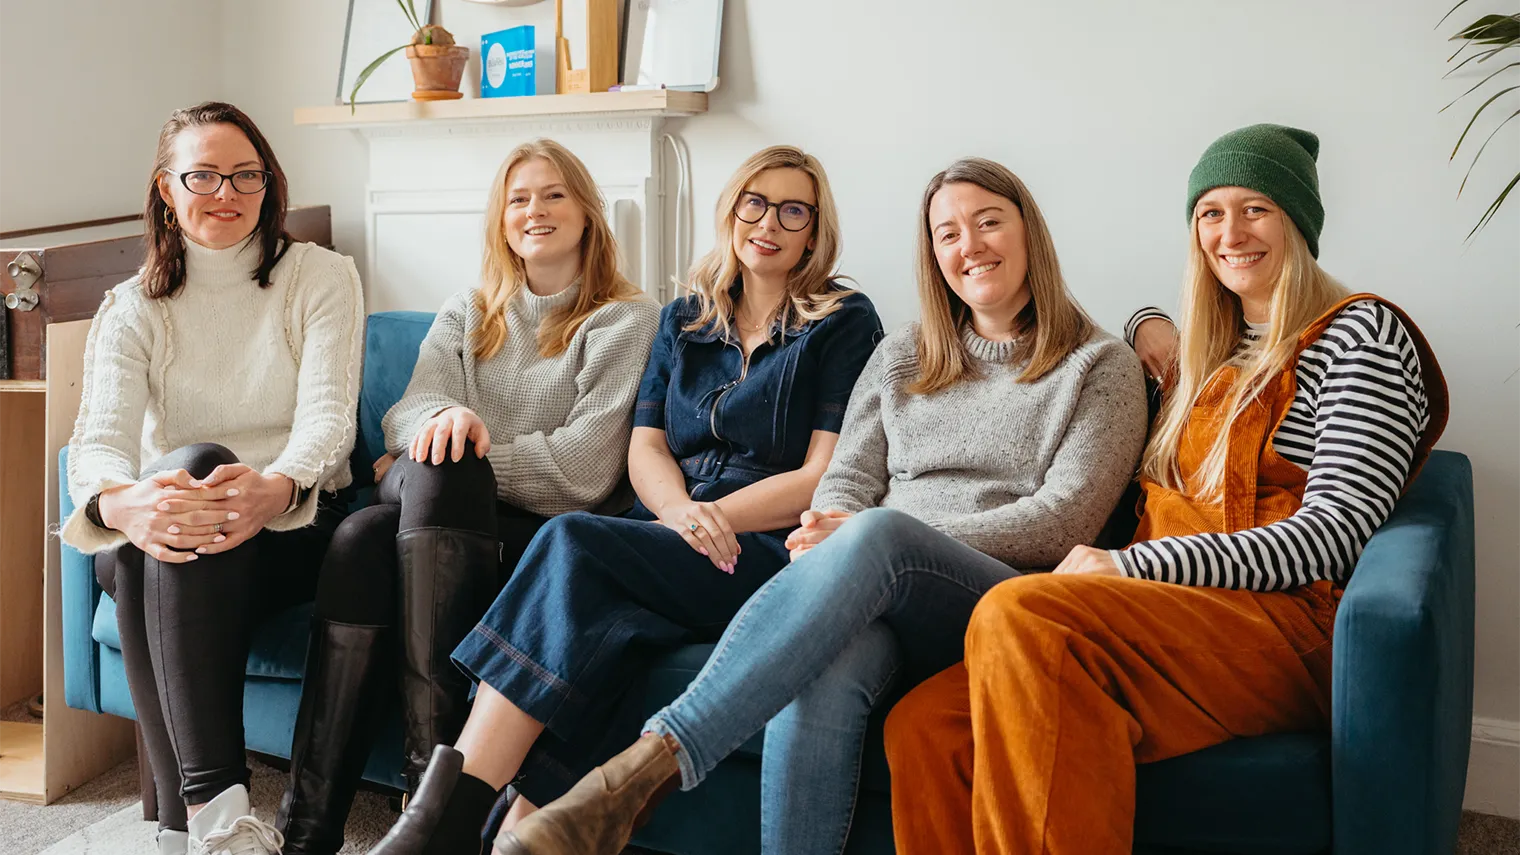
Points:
x=1030 y=745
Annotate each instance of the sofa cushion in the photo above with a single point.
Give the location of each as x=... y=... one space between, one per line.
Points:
x=279 y=643
x=1194 y=802
x=391 y=343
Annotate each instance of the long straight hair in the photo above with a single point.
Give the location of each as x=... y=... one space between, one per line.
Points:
x=163 y=270
x=1210 y=325
x=504 y=273
x=810 y=294
x=1050 y=326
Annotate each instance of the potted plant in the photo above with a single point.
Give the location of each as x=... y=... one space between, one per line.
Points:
x=437 y=63
x=1492 y=35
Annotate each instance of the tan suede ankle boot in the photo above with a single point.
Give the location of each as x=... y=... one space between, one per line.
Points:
x=602 y=811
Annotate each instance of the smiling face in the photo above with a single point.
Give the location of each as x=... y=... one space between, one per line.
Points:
x=1241 y=234
x=223 y=218
x=978 y=240
x=765 y=247
x=543 y=223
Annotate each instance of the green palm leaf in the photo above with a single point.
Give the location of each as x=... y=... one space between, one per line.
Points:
x=1492 y=34
x=1479 y=83
x=1474 y=119
x=1480 y=150
x=1494 y=208
x=1491 y=30
x=1449 y=11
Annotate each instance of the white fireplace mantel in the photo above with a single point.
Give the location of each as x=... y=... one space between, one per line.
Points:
x=431 y=166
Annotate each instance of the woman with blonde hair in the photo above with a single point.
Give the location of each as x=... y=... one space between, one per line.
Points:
x=737 y=417
x=1296 y=416
x=991 y=437
x=516 y=411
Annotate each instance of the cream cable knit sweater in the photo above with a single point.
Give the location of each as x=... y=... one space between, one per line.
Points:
x=271 y=373
x=559 y=426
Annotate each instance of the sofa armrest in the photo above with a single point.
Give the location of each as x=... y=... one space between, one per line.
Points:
x=1403 y=673
x=80 y=594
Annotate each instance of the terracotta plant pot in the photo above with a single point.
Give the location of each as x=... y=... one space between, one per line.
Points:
x=437 y=70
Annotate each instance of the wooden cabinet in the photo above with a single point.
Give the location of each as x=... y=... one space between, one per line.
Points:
x=42 y=762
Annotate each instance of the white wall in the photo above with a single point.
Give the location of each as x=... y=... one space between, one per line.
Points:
x=84 y=88
x=1101 y=107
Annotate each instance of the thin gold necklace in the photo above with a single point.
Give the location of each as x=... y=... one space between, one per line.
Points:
x=757 y=327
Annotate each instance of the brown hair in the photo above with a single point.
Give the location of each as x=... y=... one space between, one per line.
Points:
x=811 y=293
x=503 y=272
x=163 y=271
x=1053 y=316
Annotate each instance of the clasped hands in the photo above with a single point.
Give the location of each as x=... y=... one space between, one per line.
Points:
x=176 y=518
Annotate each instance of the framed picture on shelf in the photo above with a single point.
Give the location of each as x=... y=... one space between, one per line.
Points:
x=672 y=44
x=374 y=27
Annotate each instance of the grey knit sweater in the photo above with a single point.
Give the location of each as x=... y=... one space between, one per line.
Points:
x=559 y=426
x=1019 y=471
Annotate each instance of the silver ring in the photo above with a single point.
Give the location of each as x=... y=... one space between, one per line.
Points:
x=217 y=528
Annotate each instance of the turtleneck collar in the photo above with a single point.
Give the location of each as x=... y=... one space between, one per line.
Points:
x=988 y=350
x=536 y=308
x=235 y=264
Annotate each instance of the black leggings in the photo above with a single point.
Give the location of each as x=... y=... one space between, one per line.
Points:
x=417 y=495
x=185 y=633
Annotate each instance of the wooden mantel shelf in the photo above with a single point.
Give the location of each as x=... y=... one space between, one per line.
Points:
x=658 y=102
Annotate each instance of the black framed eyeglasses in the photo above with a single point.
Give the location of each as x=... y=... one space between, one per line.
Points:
x=204 y=182
x=794 y=216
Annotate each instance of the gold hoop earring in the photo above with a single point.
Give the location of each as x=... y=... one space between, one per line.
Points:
x=171 y=220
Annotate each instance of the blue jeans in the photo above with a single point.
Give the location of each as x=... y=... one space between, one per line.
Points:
x=810 y=766
x=593 y=603
x=883 y=565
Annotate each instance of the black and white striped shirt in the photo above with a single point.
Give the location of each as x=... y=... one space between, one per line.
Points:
x=1353 y=426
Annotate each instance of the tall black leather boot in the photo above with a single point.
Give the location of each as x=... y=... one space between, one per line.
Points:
x=332 y=738
x=448 y=580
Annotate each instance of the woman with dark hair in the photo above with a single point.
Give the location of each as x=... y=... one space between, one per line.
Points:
x=215 y=425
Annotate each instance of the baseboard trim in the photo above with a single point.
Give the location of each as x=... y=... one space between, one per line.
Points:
x=1493 y=768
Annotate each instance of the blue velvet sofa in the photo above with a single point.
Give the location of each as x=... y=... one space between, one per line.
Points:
x=1387 y=779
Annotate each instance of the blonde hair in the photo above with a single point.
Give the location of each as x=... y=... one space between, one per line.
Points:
x=1210 y=325
x=810 y=292
x=1057 y=323
x=503 y=272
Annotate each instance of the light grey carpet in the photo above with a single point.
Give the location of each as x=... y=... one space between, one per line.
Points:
x=104 y=817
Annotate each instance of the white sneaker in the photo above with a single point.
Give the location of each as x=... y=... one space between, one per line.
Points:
x=227 y=826
x=171 y=842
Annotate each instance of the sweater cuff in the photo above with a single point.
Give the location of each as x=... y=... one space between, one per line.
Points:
x=1126 y=563
x=1140 y=317
x=87 y=537
x=302 y=515
x=837 y=502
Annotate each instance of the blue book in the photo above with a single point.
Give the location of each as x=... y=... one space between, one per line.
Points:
x=507 y=63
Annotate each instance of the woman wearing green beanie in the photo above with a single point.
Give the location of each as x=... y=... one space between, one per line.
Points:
x=1294 y=415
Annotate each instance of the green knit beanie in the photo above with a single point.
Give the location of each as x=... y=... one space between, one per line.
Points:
x=1273 y=159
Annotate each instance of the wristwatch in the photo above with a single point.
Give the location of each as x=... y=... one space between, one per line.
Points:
x=92 y=512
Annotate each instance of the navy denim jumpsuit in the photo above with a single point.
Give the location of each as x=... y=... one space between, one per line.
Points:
x=596 y=600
